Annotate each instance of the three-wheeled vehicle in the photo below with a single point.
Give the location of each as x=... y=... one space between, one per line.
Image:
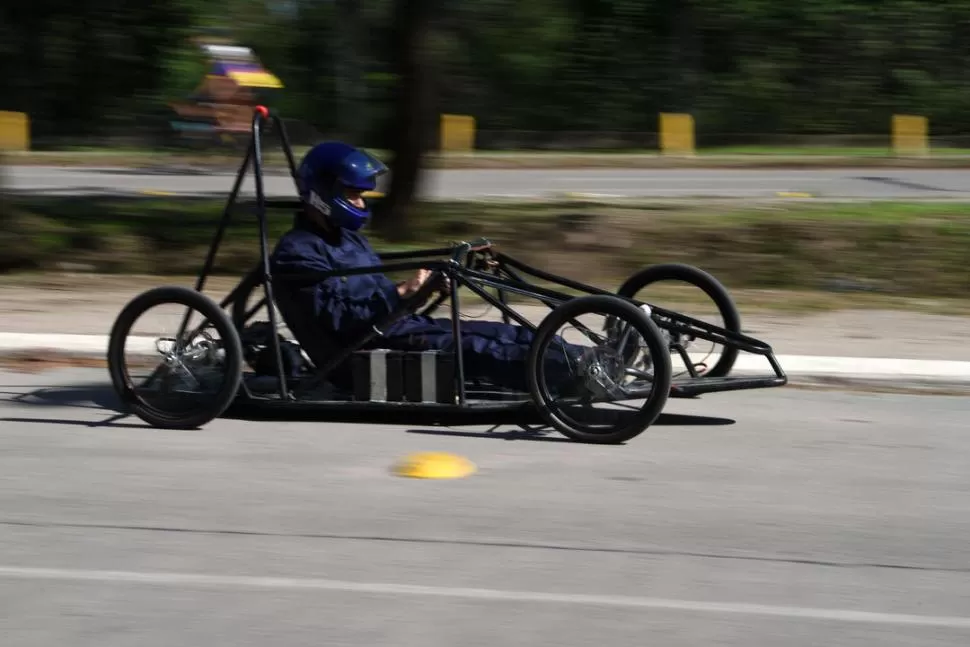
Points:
x=620 y=351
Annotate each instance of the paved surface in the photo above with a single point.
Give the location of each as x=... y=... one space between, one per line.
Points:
x=466 y=184
x=847 y=333
x=769 y=518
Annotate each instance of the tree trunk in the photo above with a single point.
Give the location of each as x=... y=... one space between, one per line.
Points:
x=685 y=56
x=6 y=209
x=351 y=111
x=413 y=124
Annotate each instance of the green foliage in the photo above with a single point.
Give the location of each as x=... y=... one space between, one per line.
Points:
x=741 y=66
x=81 y=68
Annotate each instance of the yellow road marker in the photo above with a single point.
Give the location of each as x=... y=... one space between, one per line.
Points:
x=434 y=465
x=153 y=192
x=793 y=194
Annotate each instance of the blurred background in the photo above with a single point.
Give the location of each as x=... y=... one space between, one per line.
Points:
x=602 y=110
x=535 y=74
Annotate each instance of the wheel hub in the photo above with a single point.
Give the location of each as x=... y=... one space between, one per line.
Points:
x=194 y=364
x=601 y=370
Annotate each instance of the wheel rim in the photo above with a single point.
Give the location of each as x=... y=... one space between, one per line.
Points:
x=689 y=297
x=173 y=376
x=609 y=386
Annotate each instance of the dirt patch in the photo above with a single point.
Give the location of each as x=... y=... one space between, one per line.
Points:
x=40 y=361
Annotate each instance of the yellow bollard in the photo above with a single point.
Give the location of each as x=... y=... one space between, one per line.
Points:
x=677 y=134
x=14 y=131
x=910 y=135
x=457 y=133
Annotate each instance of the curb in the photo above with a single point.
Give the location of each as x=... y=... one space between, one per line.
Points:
x=805 y=370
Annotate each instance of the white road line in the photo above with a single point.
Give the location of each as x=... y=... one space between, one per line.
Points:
x=886 y=367
x=69 y=343
x=384 y=588
x=506 y=196
x=665 y=177
x=705 y=192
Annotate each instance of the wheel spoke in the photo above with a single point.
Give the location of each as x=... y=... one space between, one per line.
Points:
x=571 y=393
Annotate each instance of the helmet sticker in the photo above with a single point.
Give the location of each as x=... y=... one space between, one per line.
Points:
x=317 y=202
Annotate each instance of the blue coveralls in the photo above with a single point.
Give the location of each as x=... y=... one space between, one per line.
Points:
x=343 y=307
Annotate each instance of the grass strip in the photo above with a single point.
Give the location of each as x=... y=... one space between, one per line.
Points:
x=896 y=249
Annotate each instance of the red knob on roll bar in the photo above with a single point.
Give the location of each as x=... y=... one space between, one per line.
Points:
x=263 y=110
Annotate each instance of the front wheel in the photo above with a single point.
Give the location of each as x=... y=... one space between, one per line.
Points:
x=172 y=369
x=712 y=288
x=597 y=388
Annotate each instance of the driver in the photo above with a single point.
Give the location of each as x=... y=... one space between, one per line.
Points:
x=332 y=177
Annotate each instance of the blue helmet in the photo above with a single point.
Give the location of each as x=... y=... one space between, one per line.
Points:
x=325 y=173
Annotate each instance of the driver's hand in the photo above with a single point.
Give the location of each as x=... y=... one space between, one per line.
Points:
x=412 y=285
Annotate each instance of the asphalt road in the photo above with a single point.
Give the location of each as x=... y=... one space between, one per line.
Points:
x=782 y=517
x=466 y=184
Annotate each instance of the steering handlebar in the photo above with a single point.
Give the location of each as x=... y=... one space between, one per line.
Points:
x=462 y=249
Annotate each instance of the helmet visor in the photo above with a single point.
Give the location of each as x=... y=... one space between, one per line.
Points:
x=359 y=170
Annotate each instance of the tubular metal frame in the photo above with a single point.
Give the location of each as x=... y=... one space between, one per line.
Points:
x=463 y=266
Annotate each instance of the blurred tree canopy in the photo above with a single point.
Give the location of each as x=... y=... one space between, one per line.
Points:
x=740 y=66
x=74 y=66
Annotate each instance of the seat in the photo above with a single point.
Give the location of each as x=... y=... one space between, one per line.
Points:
x=369 y=372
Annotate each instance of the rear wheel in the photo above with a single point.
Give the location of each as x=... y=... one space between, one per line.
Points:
x=172 y=378
x=597 y=388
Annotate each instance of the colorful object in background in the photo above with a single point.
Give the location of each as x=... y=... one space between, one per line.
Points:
x=677 y=134
x=910 y=135
x=457 y=133
x=222 y=106
x=14 y=131
x=240 y=65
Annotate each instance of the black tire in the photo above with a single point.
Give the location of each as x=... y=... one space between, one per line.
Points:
x=631 y=315
x=706 y=282
x=120 y=378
